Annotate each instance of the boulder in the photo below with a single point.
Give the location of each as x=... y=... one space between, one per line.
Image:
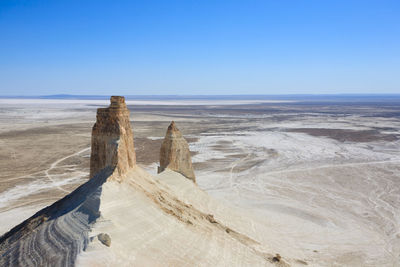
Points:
x=105 y=239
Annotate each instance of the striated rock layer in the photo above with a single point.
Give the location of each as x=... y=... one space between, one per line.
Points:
x=112 y=139
x=55 y=235
x=175 y=153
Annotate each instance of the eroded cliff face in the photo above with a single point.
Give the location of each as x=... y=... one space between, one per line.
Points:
x=112 y=139
x=175 y=153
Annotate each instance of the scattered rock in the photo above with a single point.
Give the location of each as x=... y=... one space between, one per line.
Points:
x=210 y=218
x=112 y=139
x=277 y=258
x=105 y=239
x=175 y=153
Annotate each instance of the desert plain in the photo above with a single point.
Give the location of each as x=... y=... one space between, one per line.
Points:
x=322 y=174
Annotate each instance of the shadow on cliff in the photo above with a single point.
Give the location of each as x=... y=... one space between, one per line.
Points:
x=58 y=231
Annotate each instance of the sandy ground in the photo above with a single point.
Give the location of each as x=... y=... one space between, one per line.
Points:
x=323 y=177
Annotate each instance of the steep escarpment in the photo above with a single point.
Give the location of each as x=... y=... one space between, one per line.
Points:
x=123 y=216
x=112 y=139
x=175 y=153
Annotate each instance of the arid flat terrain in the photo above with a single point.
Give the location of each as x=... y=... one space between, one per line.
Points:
x=323 y=174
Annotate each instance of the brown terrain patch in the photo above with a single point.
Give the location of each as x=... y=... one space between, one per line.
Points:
x=26 y=154
x=344 y=135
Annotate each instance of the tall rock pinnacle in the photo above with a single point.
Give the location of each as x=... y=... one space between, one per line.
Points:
x=112 y=139
x=175 y=153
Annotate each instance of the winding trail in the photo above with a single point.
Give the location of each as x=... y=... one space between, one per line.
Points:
x=54 y=164
x=233 y=166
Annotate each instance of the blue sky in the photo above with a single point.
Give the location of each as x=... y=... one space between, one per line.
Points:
x=199 y=47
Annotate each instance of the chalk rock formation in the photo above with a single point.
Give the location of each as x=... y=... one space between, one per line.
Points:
x=175 y=153
x=112 y=139
x=156 y=219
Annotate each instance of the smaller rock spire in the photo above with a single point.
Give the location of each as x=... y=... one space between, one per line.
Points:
x=175 y=153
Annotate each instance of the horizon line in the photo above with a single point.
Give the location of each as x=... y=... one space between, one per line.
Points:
x=198 y=95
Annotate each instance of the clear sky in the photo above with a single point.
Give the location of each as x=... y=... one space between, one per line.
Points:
x=199 y=47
